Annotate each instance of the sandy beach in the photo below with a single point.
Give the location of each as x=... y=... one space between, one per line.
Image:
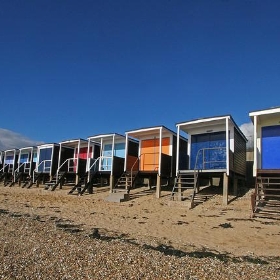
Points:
x=172 y=241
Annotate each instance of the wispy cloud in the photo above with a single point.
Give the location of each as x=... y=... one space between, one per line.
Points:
x=248 y=131
x=11 y=140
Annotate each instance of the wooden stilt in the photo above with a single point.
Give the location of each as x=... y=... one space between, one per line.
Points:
x=225 y=189
x=158 y=187
x=112 y=179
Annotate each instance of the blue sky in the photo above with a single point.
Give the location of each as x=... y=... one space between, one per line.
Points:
x=72 y=69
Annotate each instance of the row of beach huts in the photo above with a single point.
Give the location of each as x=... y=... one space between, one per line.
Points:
x=200 y=152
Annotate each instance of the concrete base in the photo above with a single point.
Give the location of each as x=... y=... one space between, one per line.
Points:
x=117 y=197
x=185 y=204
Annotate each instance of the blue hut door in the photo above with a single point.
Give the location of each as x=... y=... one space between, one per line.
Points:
x=271 y=147
x=208 y=151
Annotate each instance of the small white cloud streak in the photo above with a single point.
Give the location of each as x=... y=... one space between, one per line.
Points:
x=11 y=140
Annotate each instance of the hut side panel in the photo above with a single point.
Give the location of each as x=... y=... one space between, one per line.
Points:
x=118 y=166
x=55 y=160
x=173 y=161
x=66 y=153
x=183 y=155
x=239 y=154
x=132 y=156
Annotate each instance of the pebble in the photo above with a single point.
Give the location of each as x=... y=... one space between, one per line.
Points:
x=45 y=249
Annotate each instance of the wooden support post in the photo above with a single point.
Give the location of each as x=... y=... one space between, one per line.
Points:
x=225 y=189
x=38 y=181
x=127 y=181
x=112 y=179
x=158 y=187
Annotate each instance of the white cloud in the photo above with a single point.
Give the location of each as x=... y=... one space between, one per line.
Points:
x=11 y=140
x=248 y=131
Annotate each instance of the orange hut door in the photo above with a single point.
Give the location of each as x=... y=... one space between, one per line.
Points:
x=149 y=160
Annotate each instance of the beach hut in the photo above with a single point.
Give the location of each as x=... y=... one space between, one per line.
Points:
x=46 y=164
x=10 y=162
x=266 y=167
x=26 y=164
x=216 y=149
x=109 y=166
x=155 y=159
x=72 y=161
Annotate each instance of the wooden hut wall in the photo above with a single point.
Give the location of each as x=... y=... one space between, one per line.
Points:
x=33 y=161
x=239 y=158
x=118 y=166
x=174 y=155
x=132 y=155
x=96 y=151
x=183 y=154
x=65 y=153
x=55 y=159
